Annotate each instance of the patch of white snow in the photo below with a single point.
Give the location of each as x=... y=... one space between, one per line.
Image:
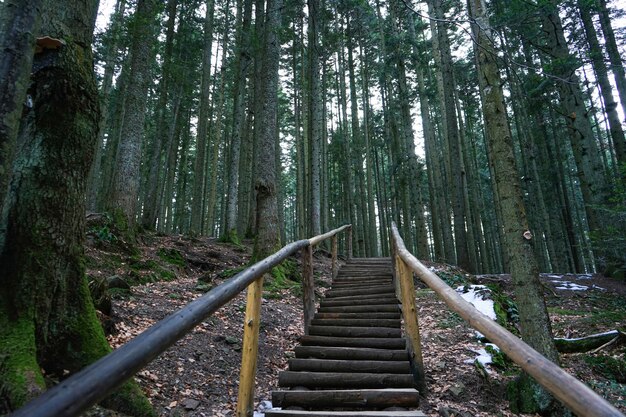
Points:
x=566 y=285
x=478 y=296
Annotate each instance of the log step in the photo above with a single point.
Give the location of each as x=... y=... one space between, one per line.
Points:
x=363 y=366
x=382 y=289
x=367 y=342
x=356 y=322
x=301 y=413
x=353 y=353
x=360 y=297
x=358 y=301
x=352 y=315
x=376 y=308
x=359 y=284
x=366 y=398
x=340 y=379
x=343 y=331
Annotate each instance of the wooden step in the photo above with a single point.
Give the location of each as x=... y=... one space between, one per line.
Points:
x=335 y=365
x=301 y=413
x=366 y=398
x=360 y=277
x=367 y=342
x=375 y=308
x=360 y=297
x=340 y=380
x=382 y=289
x=359 y=284
x=343 y=331
x=357 y=322
x=357 y=315
x=354 y=353
x=359 y=301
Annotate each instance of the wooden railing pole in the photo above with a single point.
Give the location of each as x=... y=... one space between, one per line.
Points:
x=411 y=324
x=245 y=400
x=349 y=243
x=334 y=256
x=308 y=288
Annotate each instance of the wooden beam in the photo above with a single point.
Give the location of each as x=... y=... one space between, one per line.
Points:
x=411 y=324
x=249 y=352
x=334 y=256
x=308 y=287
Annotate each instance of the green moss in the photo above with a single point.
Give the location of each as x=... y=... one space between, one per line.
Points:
x=171 y=256
x=228 y=273
x=528 y=397
x=231 y=236
x=608 y=366
x=129 y=400
x=285 y=276
x=20 y=374
x=564 y=312
x=424 y=293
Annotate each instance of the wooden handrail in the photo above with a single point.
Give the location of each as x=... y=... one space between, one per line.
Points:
x=577 y=396
x=93 y=383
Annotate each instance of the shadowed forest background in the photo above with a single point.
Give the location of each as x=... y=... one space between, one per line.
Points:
x=490 y=132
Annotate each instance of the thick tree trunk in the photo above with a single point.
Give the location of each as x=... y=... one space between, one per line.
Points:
x=47 y=319
x=534 y=320
x=267 y=227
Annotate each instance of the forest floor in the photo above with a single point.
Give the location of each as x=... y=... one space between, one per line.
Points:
x=199 y=375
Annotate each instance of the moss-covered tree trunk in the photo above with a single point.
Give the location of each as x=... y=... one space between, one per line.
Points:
x=534 y=320
x=47 y=320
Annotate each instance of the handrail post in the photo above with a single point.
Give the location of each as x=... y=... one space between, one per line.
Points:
x=334 y=256
x=349 y=243
x=308 y=288
x=405 y=284
x=252 y=324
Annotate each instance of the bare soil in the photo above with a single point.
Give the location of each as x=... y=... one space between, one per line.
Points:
x=199 y=375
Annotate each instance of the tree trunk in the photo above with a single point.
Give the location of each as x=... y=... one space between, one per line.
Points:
x=586 y=153
x=128 y=163
x=47 y=319
x=19 y=21
x=203 y=122
x=315 y=115
x=151 y=204
x=267 y=227
x=534 y=320
x=597 y=59
x=242 y=65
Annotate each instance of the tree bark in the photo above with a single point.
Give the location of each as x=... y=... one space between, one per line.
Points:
x=267 y=227
x=128 y=172
x=534 y=320
x=47 y=318
x=19 y=21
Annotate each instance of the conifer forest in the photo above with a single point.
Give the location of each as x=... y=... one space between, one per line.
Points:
x=491 y=132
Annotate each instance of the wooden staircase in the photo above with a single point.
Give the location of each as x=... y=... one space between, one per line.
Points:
x=354 y=360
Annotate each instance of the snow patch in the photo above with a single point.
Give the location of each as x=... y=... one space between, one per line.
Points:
x=478 y=296
x=567 y=285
